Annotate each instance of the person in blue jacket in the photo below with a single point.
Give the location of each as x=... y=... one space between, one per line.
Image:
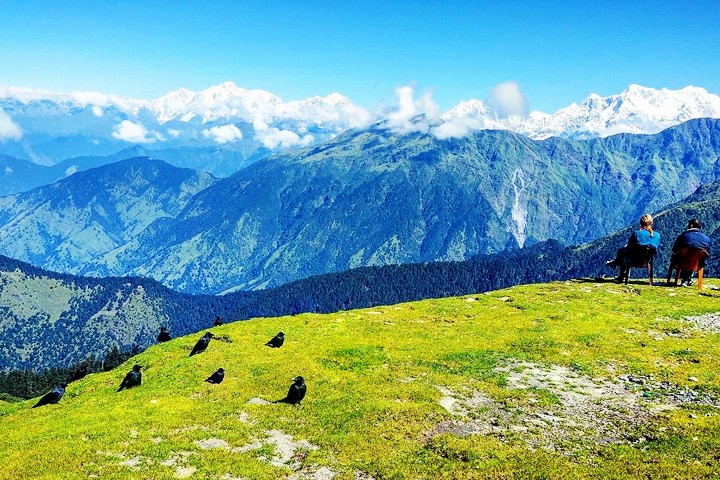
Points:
x=693 y=237
x=645 y=235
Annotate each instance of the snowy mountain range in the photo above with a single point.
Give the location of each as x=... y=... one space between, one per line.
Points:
x=225 y=127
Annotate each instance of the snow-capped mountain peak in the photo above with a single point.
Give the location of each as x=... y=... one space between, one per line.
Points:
x=470 y=108
x=232 y=117
x=221 y=101
x=636 y=110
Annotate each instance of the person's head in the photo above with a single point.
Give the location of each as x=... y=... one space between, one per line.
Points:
x=694 y=223
x=646 y=222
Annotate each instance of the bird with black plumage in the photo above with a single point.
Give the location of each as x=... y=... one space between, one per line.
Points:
x=296 y=392
x=202 y=344
x=277 y=341
x=53 y=396
x=132 y=379
x=164 y=335
x=216 y=377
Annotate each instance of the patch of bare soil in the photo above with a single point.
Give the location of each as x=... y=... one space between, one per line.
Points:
x=565 y=410
x=708 y=323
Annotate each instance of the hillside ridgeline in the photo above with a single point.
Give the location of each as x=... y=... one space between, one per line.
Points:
x=562 y=380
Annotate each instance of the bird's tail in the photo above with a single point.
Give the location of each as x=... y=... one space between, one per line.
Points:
x=121 y=387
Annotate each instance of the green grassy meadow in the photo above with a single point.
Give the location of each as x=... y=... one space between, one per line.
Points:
x=424 y=390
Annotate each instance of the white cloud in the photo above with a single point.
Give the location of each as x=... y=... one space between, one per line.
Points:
x=413 y=115
x=333 y=111
x=456 y=127
x=507 y=99
x=132 y=132
x=8 y=128
x=97 y=111
x=174 y=133
x=223 y=134
x=274 y=137
x=357 y=117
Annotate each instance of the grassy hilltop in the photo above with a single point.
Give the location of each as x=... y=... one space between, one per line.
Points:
x=561 y=380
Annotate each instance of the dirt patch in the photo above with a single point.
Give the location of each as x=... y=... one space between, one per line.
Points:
x=288 y=453
x=564 y=410
x=708 y=323
x=212 y=443
x=184 y=472
x=323 y=473
x=134 y=462
x=176 y=459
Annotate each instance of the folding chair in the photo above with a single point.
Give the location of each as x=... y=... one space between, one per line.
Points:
x=638 y=256
x=688 y=259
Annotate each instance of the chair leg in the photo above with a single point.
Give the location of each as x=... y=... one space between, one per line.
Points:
x=626 y=274
x=700 y=274
x=650 y=273
x=677 y=275
x=669 y=273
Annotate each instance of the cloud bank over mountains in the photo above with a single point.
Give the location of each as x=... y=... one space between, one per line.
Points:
x=228 y=116
x=8 y=129
x=507 y=99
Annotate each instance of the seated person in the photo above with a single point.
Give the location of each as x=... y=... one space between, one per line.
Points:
x=643 y=236
x=693 y=237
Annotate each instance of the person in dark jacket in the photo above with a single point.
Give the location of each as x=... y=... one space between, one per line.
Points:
x=693 y=237
x=643 y=236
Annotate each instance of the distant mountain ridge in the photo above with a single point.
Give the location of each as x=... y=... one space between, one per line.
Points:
x=370 y=198
x=225 y=127
x=365 y=198
x=89 y=213
x=638 y=110
x=220 y=129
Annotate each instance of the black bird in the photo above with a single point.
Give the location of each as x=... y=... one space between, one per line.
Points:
x=164 y=335
x=276 y=341
x=296 y=392
x=218 y=321
x=217 y=377
x=202 y=344
x=53 y=396
x=132 y=379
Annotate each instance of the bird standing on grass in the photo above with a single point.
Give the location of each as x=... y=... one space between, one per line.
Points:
x=132 y=379
x=53 y=396
x=296 y=393
x=164 y=335
x=217 y=377
x=276 y=341
x=218 y=321
x=202 y=344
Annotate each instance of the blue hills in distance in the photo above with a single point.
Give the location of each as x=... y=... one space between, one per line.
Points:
x=365 y=198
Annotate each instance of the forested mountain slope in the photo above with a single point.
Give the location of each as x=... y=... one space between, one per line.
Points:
x=372 y=198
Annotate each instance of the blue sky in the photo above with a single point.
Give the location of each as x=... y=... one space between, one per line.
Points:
x=559 y=52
